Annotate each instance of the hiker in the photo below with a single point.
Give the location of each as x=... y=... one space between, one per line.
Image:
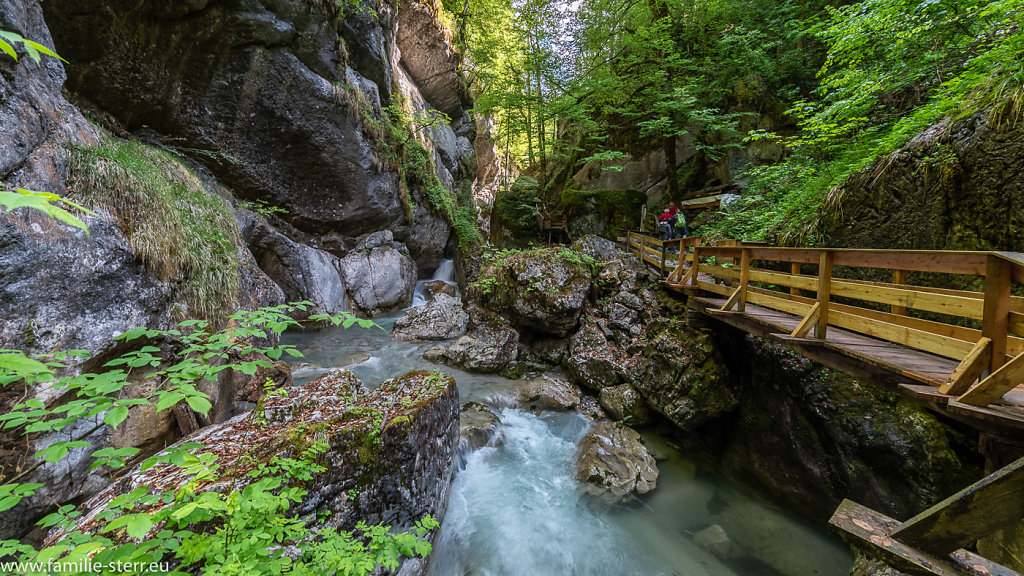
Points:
x=665 y=225
x=673 y=211
x=680 y=225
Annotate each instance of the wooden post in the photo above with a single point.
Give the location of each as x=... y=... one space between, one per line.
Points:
x=744 y=278
x=824 y=290
x=794 y=269
x=899 y=277
x=628 y=234
x=996 y=315
x=664 y=251
x=696 y=266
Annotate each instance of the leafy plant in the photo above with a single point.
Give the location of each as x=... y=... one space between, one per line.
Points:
x=33 y=49
x=238 y=531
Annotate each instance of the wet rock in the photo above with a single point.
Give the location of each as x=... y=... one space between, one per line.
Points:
x=547 y=394
x=540 y=291
x=591 y=362
x=598 y=248
x=613 y=464
x=478 y=426
x=485 y=349
x=550 y=350
x=623 y=403
x=434 y=287
x=435 y=354
x=715 y=540
x=302 y=272
x=442 y=318
x=395 y=446
x=681 y=376
x=379 y=278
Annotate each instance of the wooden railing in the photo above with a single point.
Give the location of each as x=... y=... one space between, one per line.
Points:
x=982 y=330
x=666 y=256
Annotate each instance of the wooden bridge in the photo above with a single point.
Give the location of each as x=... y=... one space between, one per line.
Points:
x=887 y=315
x=960 y=352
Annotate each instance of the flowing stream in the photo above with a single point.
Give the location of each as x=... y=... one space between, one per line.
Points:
x=515 y=508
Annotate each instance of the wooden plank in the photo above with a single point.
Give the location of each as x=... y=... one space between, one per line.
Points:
x=910 y=298
x=927 y=341
x=899 y=277
x=926 y=395
x=794 y=270
x=715 y=288
x=733 y=299
x=991 y=389
x=824 y=292
x=696 y=265
x=1009 y=419
x=809 y=320
x=915 y=260
x=869 y=530
x=995 y=321
x=744 y=279
x=969 y=369
x=784 y=280
x=993 y=503
x=763 y=298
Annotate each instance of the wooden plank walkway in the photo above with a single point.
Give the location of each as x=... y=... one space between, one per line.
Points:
x=969 y=367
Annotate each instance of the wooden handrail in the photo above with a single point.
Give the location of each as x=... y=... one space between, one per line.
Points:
x=998 y=314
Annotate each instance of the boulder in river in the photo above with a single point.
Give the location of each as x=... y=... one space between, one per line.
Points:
x=591 y=361
x=541 y=291
x=379 y=277
x=547 y=394
x=613 y=463
x=442 y=318
x=478 y=426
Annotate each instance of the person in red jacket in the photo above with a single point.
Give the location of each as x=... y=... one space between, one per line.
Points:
x=665 y=222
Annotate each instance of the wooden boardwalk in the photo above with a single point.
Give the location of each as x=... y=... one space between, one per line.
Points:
x=959 y=352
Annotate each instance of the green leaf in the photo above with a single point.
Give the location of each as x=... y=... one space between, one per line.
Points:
x=115 y=416
x=41 y=201
x=43 y=49
x=4 y=46
x=139 y=525
x=22 y=365
x=199 y=404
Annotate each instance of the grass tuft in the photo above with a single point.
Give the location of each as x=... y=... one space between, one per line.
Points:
x=179 y=230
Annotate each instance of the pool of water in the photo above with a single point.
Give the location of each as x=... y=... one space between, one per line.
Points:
x=515 y=508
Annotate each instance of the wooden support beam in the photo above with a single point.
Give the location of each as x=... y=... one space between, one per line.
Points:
x=870 y=531
x=991 y=389
x=794 y=269
x=899 y=277
x=993 y=503
x=696 y=266
x=996 y=315
x=744 y=278
x=824 y=292
x=809 y=320
x=969 y=369
x=732 y=300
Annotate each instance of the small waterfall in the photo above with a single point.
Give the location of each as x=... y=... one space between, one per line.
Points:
x=445 y=272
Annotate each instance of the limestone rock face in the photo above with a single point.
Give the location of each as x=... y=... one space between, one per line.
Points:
x=680 y=376
x=379 y=278
x=540 y=291
x=429 y=60
x=442 y=318
x=601 y=249
x=401 y=468
x=613 y=464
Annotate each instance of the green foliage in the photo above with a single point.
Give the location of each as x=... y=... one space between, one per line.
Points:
x=245 y=529
x=9 y=39
x=893 y=68
x=174 y=225
x=516 y=207
x=262 y=207
x=43 y=202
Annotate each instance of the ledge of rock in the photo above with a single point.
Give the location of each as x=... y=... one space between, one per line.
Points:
x=395 y=446
x=547 y=394
x=442 y=318
x=478 y=426
x=613 y=464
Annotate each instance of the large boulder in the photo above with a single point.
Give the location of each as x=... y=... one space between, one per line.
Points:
x=478 y=426
x=379 y=277
x=485 y=349
x=598 y=248
x=541 y=291
x=613 y=463
x=623 y=403
x=302 y=272
x=442 y=318
x=392 y=469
